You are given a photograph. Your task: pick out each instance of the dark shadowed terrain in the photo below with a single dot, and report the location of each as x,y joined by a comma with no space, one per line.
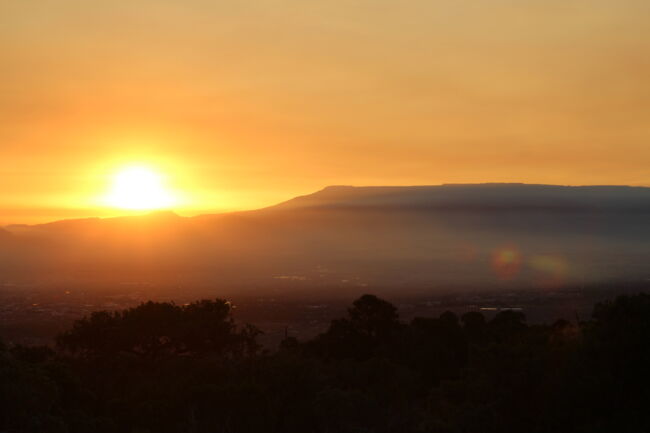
197,367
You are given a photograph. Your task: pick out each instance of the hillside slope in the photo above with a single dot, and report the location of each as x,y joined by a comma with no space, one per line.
428,237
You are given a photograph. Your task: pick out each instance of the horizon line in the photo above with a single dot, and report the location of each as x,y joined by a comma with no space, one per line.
207,212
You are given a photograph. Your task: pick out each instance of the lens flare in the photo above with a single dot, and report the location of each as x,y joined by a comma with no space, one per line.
506,261
551,270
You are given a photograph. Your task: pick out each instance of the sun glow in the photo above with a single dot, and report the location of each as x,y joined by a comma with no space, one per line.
139,188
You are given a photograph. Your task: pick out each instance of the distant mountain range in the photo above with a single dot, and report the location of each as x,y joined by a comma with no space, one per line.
408,238
501,196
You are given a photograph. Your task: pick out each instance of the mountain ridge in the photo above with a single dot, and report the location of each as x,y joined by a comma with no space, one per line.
469,196
484,195
418,236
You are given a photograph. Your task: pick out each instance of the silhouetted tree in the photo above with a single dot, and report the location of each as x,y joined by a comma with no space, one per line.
508,322
161,328
474,325
165,368
373,316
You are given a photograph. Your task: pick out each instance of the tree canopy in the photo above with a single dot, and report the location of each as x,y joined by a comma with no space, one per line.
161,328
168,368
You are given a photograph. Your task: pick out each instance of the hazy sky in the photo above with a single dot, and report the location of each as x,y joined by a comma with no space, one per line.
242,104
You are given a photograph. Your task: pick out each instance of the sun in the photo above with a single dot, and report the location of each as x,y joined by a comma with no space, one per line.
139,188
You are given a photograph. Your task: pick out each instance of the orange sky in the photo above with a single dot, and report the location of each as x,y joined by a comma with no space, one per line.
246,103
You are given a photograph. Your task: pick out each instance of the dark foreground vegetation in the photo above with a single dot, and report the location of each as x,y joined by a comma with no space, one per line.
162,368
